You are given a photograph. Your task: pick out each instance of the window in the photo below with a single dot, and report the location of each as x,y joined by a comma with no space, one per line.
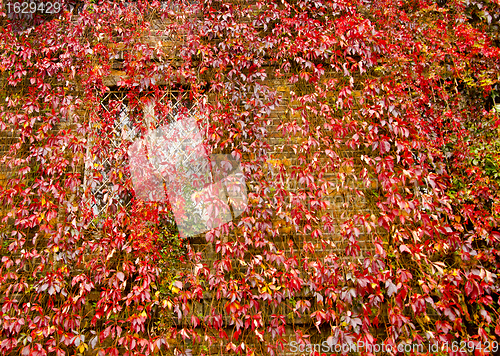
121,119
157,142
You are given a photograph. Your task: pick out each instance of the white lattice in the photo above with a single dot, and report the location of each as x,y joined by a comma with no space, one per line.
105,164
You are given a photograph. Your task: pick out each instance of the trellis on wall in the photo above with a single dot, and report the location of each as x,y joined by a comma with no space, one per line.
121,118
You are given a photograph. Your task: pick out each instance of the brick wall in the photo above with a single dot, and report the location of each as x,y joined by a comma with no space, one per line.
344,203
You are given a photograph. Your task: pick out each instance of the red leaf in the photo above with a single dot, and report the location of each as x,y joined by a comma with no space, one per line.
195,320
404,248
237,334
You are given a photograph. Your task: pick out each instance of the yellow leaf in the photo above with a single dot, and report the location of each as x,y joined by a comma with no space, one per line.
174,289
83,346
143,313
